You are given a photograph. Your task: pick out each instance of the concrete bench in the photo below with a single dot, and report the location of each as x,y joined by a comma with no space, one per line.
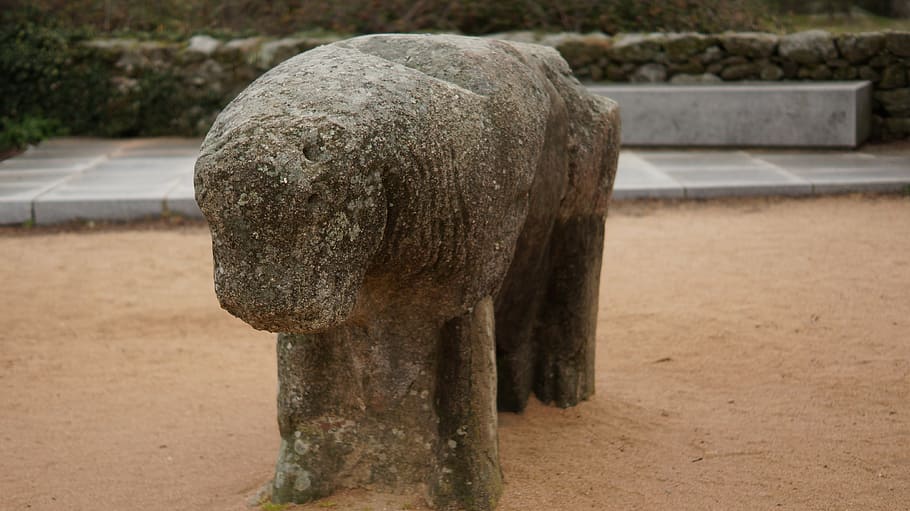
782,114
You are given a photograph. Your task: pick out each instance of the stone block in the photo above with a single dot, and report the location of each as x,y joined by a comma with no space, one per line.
883,60
558,39
898,43
749,44
711,55
584,50
203,45
274,52
682,47
687,79
810,47
858,48
832,114
690,67
845,73
896,102
649,73
817,72
735,60
637,47
616,73
790,68
740,72
893,77
870,74
770,72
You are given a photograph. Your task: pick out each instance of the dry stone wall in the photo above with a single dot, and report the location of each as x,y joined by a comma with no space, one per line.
205,73
178,88
883,58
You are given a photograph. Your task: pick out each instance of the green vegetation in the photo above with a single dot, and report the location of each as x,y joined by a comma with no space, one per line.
179,19
48,87
16,134
840,16
269,506
54,83
856,21
186,17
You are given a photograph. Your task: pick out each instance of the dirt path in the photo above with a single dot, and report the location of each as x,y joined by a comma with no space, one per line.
753,355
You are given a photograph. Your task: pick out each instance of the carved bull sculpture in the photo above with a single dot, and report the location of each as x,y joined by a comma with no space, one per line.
419,216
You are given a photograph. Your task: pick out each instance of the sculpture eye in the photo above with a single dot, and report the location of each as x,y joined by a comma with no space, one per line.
312,152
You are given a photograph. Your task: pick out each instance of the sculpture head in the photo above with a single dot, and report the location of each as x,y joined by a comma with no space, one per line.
296,214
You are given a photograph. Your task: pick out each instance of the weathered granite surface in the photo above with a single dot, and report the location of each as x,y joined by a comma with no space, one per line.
415,214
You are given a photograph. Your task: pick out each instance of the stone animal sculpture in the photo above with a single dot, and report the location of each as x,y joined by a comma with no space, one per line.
418,216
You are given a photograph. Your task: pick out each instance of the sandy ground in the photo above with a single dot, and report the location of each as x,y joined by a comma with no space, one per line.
752,355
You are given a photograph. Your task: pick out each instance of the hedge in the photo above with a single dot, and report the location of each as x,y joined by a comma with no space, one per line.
186,17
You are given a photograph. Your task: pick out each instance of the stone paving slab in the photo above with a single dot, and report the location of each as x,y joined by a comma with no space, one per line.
639,179
709,174
72,146
845,172
19,189
181,199
99,179
860,161
169,164
31,163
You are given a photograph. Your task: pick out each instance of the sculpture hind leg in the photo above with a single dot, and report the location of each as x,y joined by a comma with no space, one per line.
523,289
567,321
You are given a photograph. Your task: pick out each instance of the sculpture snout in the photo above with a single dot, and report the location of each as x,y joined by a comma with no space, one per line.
278,297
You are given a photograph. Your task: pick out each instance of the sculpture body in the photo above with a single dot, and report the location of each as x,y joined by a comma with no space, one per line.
421,217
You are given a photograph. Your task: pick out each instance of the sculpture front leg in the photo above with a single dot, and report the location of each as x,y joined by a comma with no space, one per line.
399,407
355,413
468,475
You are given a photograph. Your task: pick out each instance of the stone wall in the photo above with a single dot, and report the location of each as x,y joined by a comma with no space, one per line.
199,78
883,58
207,73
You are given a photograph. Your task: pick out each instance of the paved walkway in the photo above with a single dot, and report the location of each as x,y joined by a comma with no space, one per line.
99,179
